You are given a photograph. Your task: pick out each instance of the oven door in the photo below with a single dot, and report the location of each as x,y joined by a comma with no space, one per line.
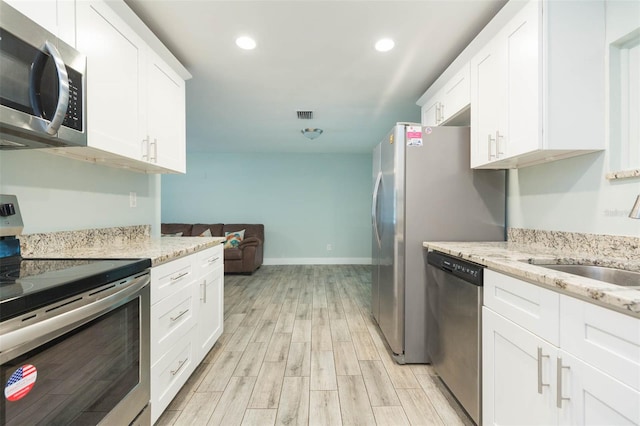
88,365
41,86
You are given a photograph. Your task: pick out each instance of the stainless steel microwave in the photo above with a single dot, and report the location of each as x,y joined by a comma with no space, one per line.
42,86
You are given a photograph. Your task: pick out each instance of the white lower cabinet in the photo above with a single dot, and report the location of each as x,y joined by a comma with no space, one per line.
170,372
591,397
591,378
187,298
210,296
516,374
210,320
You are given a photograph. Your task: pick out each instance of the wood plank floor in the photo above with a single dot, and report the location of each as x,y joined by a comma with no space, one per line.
300,347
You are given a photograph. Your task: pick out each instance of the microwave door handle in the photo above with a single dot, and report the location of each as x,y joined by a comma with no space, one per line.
63,89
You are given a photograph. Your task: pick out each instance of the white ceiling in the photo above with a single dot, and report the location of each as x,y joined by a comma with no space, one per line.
311,55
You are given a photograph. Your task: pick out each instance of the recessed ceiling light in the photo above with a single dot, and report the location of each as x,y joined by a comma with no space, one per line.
246,43
384,45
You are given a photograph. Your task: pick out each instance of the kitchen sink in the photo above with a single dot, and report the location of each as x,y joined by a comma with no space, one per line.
601,273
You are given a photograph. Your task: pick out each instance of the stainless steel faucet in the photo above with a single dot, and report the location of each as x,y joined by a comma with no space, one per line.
635,210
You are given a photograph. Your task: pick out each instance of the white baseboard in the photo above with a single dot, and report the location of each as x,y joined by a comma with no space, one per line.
318,261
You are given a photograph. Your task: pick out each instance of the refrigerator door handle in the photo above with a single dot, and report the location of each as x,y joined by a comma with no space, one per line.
374,208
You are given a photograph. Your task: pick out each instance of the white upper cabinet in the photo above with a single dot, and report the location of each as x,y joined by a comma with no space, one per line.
431,110
455,94
486,97
537,88
165,144
56,16
448,102
135,99
115,61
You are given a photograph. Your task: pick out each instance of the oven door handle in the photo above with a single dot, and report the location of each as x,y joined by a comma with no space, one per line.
48,329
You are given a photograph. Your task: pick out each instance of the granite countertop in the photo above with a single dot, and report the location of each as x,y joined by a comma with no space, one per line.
159,250
521,261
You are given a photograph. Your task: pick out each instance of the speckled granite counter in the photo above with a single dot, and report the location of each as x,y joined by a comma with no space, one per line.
519,260
159,250
120,242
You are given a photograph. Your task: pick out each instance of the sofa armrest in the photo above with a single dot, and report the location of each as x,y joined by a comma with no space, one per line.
250,241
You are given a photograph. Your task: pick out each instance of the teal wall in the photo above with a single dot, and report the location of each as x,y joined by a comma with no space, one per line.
62,194
305,201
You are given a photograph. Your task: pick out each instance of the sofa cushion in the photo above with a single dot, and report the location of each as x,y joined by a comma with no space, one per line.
214,228
174,228
233,239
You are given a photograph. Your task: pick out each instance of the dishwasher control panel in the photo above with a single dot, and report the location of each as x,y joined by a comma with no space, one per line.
468,271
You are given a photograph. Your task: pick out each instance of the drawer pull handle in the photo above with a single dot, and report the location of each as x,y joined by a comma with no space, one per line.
213,259
177,277
559,397
180,365
177,317
540,384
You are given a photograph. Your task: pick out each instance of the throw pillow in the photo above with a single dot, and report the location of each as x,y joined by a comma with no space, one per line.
233,239
177,234
206,233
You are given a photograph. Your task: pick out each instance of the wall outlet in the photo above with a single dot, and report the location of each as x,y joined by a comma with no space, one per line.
133,199
329,247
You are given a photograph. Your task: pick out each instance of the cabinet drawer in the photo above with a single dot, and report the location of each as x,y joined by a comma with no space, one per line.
532,307
170,373
171,277
608,340
209,259
171,318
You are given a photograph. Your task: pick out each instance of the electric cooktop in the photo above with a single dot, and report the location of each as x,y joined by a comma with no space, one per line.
28,284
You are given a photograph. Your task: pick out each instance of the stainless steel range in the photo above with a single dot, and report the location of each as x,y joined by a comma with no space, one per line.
74,336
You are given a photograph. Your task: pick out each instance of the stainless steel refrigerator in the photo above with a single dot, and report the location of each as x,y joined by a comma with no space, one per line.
424,190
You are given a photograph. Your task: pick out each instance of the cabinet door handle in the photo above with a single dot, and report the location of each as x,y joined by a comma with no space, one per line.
203,291
441,113
490,141
540,384
180,365
213,259
499,151
177,317
145,149
559,397
155,151
177,277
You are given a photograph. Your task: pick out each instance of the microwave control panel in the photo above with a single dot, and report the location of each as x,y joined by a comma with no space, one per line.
73,118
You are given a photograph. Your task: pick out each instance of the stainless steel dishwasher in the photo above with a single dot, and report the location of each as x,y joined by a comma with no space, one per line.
454,300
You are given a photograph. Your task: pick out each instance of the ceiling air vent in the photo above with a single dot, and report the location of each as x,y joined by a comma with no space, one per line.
305,115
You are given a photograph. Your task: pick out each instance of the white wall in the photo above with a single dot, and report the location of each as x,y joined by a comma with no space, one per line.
60,194
305,201
572,195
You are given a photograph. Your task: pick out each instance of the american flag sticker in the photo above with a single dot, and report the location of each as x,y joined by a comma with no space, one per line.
21,382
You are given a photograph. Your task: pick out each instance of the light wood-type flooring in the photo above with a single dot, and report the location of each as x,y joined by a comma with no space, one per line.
300,347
